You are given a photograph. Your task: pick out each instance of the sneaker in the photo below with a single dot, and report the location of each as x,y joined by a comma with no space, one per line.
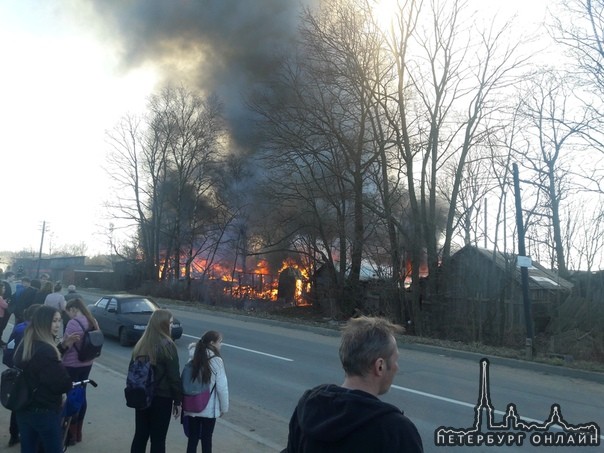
13,441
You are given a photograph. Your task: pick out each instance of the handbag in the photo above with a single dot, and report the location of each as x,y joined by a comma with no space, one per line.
74,401
198,402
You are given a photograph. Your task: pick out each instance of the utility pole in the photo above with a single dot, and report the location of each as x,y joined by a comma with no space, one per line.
524,263
40,252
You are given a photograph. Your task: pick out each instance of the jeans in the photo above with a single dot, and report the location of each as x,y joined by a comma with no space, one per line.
40,427
152,423
203,426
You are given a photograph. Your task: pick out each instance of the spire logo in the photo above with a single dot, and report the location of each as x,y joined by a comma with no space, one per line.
513,430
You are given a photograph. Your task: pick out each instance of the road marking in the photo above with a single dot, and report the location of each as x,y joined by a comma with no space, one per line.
436,397
247,350
463,403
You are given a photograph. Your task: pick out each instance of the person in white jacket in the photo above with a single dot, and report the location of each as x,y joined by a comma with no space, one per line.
209,367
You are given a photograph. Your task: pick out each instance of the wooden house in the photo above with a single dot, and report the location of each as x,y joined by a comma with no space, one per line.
481,297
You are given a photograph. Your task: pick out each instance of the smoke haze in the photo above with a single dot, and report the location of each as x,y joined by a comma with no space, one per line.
219,46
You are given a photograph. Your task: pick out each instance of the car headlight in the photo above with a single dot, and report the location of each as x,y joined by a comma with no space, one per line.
139,326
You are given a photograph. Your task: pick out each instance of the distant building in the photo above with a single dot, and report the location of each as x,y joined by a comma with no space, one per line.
57,267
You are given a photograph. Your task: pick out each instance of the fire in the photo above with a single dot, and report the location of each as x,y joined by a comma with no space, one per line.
290,283
262,284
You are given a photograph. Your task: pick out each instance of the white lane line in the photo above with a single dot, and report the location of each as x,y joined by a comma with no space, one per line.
247,350
436,397
258,352
463,403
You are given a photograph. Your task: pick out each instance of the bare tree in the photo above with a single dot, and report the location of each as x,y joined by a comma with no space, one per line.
161,165
583,36
322,134
189,127
136,164
449,74
553,125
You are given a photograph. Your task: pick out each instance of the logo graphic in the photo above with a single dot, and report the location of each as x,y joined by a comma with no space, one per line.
513,430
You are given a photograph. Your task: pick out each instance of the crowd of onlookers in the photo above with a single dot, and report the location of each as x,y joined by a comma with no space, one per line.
47,326
17,295
46,341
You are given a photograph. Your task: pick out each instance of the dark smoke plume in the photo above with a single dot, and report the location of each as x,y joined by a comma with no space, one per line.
225,47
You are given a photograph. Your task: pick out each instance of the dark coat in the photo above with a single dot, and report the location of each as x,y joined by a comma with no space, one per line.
46,374
23,301
333,419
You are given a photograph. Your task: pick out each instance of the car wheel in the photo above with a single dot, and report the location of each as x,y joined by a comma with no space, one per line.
124,337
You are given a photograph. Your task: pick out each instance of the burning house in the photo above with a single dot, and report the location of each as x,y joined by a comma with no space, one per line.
289,283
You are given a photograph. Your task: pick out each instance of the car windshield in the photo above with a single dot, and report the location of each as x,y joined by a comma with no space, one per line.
137,306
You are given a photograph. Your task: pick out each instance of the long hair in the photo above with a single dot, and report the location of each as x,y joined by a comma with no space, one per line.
39,329
156,337
201,361
79,304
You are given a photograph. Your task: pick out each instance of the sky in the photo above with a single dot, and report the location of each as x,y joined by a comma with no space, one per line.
61,89
71,71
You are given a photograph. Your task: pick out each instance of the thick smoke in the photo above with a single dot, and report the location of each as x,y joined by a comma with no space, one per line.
225,47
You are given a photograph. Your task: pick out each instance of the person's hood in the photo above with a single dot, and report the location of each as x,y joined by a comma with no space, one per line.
329,413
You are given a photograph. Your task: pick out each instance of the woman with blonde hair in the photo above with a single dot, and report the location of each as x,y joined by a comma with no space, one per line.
207,367
81,320
40,421
157,345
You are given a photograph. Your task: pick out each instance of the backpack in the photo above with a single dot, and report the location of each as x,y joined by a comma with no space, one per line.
15,393
140,383
196,394
92,343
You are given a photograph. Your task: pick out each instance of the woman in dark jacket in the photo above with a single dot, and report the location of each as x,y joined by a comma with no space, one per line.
152,423
40,421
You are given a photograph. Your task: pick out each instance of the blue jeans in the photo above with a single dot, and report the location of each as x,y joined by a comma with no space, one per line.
40,427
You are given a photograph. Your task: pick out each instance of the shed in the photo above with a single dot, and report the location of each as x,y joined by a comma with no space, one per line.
483,295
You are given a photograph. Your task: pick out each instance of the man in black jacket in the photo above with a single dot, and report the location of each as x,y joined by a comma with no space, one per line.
25,298
351,418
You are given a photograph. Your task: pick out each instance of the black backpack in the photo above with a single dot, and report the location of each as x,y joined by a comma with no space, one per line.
92,343
15,393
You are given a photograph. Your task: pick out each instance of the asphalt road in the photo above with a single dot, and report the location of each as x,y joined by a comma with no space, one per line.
269,364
